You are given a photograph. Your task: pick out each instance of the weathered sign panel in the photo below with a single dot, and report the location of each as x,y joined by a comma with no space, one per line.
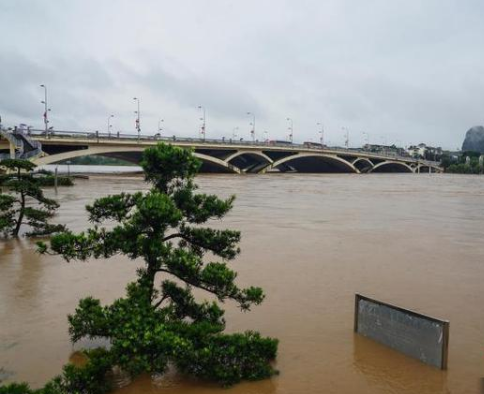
411,333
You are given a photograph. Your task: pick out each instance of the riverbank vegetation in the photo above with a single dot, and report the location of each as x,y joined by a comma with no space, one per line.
97,160
47,178
465,163
160,323
24,202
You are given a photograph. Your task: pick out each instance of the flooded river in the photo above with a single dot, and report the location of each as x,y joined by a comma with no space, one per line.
312,242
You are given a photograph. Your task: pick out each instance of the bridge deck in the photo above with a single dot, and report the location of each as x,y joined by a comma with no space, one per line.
226,154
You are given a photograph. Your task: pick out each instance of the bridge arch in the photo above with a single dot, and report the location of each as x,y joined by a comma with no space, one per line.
216,162
391,166
55,158
212,162
363,164
249,161
253,153
332,163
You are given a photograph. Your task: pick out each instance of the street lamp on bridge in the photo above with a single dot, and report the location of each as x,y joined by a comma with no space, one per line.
138,115
234,132
367,137
160,129
291,129
321,133
109,124
46,110
203,119
347,136
252,132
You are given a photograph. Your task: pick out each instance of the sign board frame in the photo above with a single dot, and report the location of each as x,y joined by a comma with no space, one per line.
407,312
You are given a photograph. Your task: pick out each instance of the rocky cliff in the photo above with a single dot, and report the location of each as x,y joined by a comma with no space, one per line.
474,139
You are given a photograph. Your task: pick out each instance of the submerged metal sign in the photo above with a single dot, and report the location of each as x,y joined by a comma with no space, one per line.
411,333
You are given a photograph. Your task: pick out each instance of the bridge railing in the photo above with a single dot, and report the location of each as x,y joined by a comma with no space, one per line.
97,136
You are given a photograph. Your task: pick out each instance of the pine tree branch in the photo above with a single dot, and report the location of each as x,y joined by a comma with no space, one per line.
175,235
222,249
188,281
160,302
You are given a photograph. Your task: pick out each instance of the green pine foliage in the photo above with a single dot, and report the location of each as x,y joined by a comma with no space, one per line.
24,202
160,322
88,379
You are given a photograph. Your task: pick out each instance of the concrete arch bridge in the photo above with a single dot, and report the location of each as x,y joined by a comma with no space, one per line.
226,156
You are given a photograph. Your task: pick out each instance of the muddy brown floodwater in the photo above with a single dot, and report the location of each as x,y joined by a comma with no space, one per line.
312,242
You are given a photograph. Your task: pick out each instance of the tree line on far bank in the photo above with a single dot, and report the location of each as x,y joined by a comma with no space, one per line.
97,160
466,163
159,323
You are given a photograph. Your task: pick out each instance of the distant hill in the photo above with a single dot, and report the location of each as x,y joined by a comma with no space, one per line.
474,140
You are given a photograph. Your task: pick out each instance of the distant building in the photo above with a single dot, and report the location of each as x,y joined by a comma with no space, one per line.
385,149
422,151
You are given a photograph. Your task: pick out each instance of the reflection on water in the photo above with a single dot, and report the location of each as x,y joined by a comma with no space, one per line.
312,242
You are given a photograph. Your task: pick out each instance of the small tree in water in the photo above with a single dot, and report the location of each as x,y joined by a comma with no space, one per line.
25,202
160,322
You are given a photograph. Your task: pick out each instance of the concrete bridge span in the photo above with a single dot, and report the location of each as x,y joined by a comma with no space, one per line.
392,166
225,156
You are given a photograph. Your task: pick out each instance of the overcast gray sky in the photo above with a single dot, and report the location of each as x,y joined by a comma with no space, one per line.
404,71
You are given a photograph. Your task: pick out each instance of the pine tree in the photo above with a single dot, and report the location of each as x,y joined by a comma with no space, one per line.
24,203
160,322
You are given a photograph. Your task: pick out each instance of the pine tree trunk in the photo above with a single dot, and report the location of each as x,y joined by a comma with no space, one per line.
20,216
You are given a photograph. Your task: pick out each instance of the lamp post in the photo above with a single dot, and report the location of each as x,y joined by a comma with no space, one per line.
321,132
234,132
110,125
266,135
347,136
138,115
46,110
160,129
252,132
203,119
291,129
367,138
